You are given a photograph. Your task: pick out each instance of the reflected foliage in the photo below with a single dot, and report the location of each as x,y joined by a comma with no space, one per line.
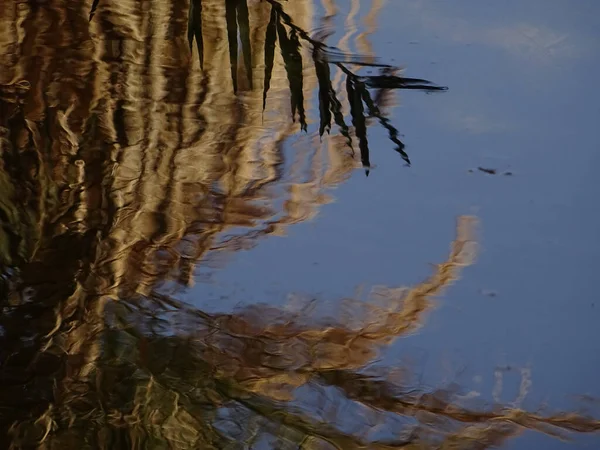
290,51
356,85
93,10
195,28
127,168
156,373
282,30
236,14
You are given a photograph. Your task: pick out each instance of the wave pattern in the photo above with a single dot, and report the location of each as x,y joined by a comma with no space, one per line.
137,141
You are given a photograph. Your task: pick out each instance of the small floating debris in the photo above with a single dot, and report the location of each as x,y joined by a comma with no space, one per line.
491,171
488,293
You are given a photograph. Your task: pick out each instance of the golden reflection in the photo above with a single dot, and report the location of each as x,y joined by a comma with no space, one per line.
139,140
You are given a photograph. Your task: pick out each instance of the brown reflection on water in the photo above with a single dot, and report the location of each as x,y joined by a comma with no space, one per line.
125,161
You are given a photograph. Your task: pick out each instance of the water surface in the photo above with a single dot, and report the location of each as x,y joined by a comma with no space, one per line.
193,256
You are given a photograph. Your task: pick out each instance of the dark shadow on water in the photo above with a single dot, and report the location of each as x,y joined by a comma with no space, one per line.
126,170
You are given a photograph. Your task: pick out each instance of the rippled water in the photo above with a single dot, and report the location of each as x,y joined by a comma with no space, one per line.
192,257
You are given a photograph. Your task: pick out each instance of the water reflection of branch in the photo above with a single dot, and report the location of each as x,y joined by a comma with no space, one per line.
356,87
290,51
236,13
93,9
385,123
195,28
167,373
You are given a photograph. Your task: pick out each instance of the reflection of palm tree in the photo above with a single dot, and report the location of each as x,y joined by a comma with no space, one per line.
128,104
282,29
231,378
122,166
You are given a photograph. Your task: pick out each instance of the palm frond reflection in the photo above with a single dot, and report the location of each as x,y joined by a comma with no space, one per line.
282,30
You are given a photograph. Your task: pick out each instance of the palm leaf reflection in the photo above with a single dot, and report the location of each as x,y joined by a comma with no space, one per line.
195,28
282,30
270,40
93,9
290,51
238,22
356,86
